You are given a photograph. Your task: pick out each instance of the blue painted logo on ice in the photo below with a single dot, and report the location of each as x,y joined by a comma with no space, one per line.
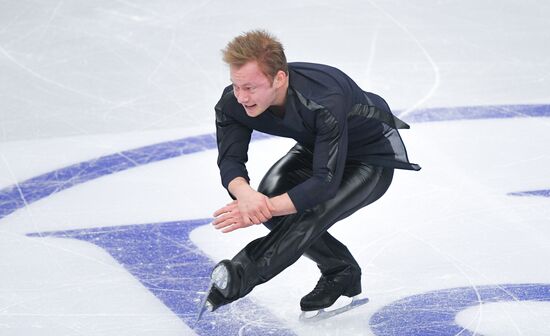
166,262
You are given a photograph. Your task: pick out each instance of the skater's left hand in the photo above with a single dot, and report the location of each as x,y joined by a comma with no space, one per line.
229,218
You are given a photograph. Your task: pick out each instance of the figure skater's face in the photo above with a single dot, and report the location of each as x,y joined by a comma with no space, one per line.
254,90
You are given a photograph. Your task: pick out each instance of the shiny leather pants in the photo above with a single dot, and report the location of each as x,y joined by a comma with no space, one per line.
305,233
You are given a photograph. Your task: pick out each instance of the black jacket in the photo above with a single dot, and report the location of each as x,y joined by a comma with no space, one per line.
326,111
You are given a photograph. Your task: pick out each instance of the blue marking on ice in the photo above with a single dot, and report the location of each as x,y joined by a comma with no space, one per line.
542,193
29,191
478,112
168,264
433,313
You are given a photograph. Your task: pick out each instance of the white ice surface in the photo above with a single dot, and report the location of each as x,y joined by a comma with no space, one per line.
80,80
80,67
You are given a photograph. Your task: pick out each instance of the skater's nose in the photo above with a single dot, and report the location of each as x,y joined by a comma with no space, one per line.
242,95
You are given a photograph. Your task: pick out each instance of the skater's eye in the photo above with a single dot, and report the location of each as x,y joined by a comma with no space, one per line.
247,89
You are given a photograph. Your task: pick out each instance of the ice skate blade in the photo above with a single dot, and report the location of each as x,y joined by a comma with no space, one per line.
204,305
322,314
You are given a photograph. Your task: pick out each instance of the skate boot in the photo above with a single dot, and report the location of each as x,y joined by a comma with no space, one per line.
330,287
222,286
222,277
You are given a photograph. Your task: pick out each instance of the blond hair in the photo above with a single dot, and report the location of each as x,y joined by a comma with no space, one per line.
259,46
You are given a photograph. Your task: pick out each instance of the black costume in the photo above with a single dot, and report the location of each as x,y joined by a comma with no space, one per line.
347,148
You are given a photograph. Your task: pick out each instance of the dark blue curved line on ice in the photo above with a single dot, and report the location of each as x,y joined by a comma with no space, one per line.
169,265
29,191
478,112
143,258
541,193
433,313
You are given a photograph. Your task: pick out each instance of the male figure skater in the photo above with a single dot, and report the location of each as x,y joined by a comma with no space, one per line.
347,149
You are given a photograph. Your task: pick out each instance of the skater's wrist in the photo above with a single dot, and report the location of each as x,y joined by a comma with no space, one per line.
282,205
239,187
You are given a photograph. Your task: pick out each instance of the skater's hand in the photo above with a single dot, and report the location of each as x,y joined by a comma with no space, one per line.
255,207
229,218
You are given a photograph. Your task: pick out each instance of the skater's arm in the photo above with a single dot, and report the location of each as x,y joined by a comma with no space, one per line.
232,139
277,206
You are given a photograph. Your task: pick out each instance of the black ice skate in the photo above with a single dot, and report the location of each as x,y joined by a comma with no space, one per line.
318,303
221,282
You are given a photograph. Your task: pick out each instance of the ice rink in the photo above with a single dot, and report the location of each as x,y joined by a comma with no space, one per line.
108,175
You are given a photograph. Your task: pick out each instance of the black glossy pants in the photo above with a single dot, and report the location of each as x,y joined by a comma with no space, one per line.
305,233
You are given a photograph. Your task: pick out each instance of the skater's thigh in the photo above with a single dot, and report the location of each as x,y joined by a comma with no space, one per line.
362,184
289,171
